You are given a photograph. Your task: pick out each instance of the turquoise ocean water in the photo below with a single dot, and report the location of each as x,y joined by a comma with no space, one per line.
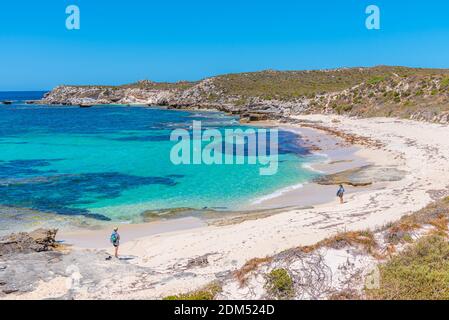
113,162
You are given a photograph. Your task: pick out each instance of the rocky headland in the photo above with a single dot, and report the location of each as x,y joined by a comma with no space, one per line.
418,94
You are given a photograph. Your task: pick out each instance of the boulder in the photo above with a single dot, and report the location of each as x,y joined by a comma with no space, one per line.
201,261
253,116
258,116
362,176
198,262
244,120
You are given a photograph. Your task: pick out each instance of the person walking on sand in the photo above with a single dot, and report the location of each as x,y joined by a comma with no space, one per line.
115,240
340,193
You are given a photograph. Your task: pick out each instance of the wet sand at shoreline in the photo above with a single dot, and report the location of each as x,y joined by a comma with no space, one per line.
98,239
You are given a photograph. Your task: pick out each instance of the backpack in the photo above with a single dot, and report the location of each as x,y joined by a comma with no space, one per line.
340,192
114,237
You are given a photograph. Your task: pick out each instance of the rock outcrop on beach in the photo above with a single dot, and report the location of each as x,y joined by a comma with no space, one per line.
419,94
30,260
36,241
363,176
23,259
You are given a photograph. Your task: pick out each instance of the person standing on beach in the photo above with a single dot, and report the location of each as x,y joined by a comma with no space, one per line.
340,193
115,240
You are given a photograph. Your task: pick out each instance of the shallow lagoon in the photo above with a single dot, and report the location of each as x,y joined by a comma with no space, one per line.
113,162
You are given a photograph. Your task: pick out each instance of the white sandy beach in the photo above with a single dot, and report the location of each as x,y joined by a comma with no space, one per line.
420,149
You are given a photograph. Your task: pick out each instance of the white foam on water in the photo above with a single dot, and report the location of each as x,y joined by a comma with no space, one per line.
278,193
309,166
322,155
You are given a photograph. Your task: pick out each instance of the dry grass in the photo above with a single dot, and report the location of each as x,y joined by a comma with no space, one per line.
242,274
435,214
348,137
401,231
405,225
345,295
440,223
435,210
364,239
390,250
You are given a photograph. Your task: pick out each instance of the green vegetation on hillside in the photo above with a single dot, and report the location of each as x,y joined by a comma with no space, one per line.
209,292
180,85
294,84
419,273
445,82
145,84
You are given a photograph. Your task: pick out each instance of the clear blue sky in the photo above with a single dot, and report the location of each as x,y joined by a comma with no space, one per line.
122,41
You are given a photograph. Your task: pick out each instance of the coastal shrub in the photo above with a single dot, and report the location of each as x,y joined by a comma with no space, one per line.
289,84
240,102
408,103
341,108
279,284
445,82
420,272
206,293
375,80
